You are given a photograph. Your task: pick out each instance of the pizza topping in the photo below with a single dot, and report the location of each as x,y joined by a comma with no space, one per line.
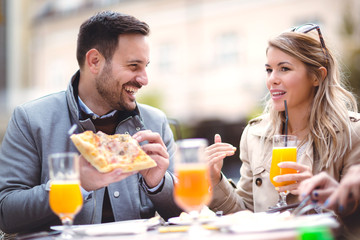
107,152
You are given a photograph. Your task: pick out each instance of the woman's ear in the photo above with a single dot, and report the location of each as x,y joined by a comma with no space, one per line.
323,72
94,60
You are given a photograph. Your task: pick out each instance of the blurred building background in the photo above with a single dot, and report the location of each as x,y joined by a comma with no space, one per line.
207,56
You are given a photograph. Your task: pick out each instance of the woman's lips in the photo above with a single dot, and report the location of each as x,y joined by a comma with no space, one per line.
277,94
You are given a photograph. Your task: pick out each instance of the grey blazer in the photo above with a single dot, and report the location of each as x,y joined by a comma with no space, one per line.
39,128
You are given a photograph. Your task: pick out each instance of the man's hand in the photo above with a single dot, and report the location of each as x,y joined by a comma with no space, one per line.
91,179
157,150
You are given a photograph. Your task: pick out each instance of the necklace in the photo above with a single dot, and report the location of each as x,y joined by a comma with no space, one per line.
299,131
301,134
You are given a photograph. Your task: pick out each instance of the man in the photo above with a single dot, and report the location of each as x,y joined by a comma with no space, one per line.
113,53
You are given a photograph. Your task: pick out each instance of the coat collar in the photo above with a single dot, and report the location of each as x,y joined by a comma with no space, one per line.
261,125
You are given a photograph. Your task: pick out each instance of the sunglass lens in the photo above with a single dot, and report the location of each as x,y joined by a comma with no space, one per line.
305,28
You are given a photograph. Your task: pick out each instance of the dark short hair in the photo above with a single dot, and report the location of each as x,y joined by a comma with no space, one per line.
102,30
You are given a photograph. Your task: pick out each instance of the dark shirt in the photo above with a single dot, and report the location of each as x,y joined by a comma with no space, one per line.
106,124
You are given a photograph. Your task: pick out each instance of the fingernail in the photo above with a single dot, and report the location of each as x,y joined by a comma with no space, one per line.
138,138
277,188
341,208
275,179
316,194
234,149
326,203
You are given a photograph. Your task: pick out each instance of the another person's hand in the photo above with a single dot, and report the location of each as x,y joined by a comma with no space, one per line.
157,150
345,198
91,179
320,186
215,154
341,197
303,173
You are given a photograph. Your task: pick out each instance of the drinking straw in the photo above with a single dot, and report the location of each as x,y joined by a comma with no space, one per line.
286,122
70,132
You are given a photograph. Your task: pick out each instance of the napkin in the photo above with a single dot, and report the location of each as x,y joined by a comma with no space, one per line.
115,228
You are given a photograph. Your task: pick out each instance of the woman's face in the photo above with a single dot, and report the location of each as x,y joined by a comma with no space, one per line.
288,79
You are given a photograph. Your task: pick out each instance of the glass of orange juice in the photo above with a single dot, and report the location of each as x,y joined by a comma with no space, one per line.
284,150
65,196
192,186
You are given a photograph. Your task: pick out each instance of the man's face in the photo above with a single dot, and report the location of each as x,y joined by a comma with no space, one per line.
125,74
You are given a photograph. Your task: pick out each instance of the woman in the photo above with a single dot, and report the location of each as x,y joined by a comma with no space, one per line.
321,113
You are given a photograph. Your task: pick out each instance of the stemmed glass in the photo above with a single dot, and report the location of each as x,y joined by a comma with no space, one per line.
284,150
65,195
192,187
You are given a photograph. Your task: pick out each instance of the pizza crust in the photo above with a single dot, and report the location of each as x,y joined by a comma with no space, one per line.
109,152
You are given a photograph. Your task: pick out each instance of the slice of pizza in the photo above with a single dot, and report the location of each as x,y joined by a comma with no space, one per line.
107,152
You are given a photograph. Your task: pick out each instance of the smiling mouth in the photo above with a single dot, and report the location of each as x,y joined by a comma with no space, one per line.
131,90
277,94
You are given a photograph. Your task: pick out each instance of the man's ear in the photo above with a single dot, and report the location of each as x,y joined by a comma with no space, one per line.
323,72
94,60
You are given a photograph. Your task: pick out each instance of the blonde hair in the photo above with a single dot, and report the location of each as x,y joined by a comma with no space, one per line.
330,108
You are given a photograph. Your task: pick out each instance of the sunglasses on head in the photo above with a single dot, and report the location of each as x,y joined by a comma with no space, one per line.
308,28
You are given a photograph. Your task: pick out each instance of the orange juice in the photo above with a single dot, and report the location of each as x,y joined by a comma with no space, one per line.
192,189
65,198
282,154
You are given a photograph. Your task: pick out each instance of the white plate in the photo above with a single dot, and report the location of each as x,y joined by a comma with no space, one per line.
114,228
245,222
188,221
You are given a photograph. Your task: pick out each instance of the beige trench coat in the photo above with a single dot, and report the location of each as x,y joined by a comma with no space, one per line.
254,190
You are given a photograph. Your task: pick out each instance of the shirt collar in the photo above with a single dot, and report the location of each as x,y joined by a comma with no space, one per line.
88,111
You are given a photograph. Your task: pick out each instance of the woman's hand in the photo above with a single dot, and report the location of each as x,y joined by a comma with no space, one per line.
215,155
303,173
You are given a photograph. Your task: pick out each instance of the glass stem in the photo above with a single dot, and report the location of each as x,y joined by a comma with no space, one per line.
67,232
282,200
196,231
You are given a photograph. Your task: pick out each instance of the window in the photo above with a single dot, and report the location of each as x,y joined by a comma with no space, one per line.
166,57
226,48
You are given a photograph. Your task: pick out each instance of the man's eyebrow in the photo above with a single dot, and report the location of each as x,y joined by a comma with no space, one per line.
135,61
138,61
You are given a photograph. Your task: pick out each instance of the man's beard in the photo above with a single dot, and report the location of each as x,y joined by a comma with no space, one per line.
106,86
